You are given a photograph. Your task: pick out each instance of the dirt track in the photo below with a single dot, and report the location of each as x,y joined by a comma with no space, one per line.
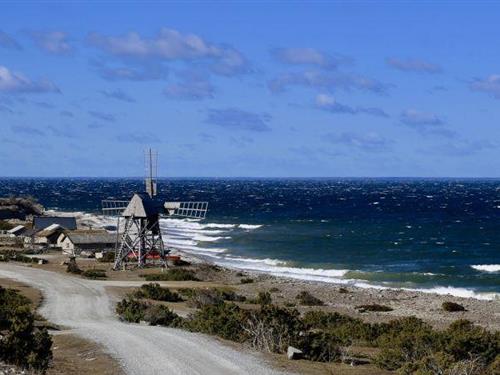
84,306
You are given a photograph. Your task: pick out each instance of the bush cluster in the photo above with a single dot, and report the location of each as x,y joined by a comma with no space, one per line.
307,299
157,293
15,256
72,267
452,307
94,274
407,345
175,274
412,346
374,308
135,311
21,343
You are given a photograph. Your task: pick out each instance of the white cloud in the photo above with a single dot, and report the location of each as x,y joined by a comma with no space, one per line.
172,45
414,117
54,42
414,65
326,81
328,103
17,83
306,56
489,85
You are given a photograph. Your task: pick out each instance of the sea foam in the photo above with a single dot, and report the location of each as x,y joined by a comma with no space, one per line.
487,267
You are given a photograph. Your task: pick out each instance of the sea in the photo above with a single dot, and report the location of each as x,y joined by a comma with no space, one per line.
433,235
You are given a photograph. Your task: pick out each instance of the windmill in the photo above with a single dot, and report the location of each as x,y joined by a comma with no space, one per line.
141,240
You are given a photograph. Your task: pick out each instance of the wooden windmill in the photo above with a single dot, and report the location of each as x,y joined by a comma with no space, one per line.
141,241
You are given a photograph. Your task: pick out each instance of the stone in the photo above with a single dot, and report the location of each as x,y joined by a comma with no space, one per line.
294,353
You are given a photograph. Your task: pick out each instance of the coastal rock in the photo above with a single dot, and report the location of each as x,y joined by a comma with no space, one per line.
294,353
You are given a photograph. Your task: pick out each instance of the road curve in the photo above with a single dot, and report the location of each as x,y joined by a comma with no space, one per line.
84,306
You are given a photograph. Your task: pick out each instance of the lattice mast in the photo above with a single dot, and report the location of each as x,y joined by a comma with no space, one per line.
141,240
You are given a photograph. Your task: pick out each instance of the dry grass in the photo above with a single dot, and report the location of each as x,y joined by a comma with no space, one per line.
75,356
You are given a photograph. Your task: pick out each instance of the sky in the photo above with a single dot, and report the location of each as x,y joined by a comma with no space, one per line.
250,89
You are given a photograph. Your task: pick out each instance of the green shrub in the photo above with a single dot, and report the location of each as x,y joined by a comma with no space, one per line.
230,295
223,320
343,291
345,328
320,346
175,274
203,297
452,307
21,343
273,329
247,280
274,290
464,340
131,310
374,308
159,315
157,293
307,299
94,274
264,298
73,268
405,340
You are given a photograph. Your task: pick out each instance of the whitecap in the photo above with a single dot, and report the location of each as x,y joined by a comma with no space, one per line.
487,267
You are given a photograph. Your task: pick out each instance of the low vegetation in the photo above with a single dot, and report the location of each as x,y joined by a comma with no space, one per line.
157,293
247,280
5,225
405,345
307,299
452,307
175,274
73,268
21,343
373,308
95,274
16,256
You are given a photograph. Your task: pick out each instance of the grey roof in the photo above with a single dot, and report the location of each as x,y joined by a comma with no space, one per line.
141,205
91,238
42,222
17,230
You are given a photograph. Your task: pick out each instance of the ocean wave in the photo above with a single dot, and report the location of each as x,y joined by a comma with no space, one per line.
487,267
458,292
249,226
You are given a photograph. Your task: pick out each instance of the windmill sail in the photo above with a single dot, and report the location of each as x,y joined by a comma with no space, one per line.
112,207
194,210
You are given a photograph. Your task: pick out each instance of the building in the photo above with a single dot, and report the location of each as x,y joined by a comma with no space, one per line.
48,236
42,222
74,242
17,230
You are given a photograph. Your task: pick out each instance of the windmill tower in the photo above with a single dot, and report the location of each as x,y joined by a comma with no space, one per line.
141,241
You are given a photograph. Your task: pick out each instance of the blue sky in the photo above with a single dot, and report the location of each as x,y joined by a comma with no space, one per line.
298,89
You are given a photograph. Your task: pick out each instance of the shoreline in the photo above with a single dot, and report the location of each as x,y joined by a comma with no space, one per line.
423,305
271,267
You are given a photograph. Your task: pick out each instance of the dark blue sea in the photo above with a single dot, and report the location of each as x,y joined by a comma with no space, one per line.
440,235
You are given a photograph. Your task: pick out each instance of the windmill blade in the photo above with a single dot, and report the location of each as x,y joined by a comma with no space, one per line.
112,207
194,210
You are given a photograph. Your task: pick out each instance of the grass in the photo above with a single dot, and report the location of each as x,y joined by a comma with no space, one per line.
307,299
175,274
95,274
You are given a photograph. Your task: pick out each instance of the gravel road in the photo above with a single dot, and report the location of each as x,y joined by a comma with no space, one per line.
85,307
